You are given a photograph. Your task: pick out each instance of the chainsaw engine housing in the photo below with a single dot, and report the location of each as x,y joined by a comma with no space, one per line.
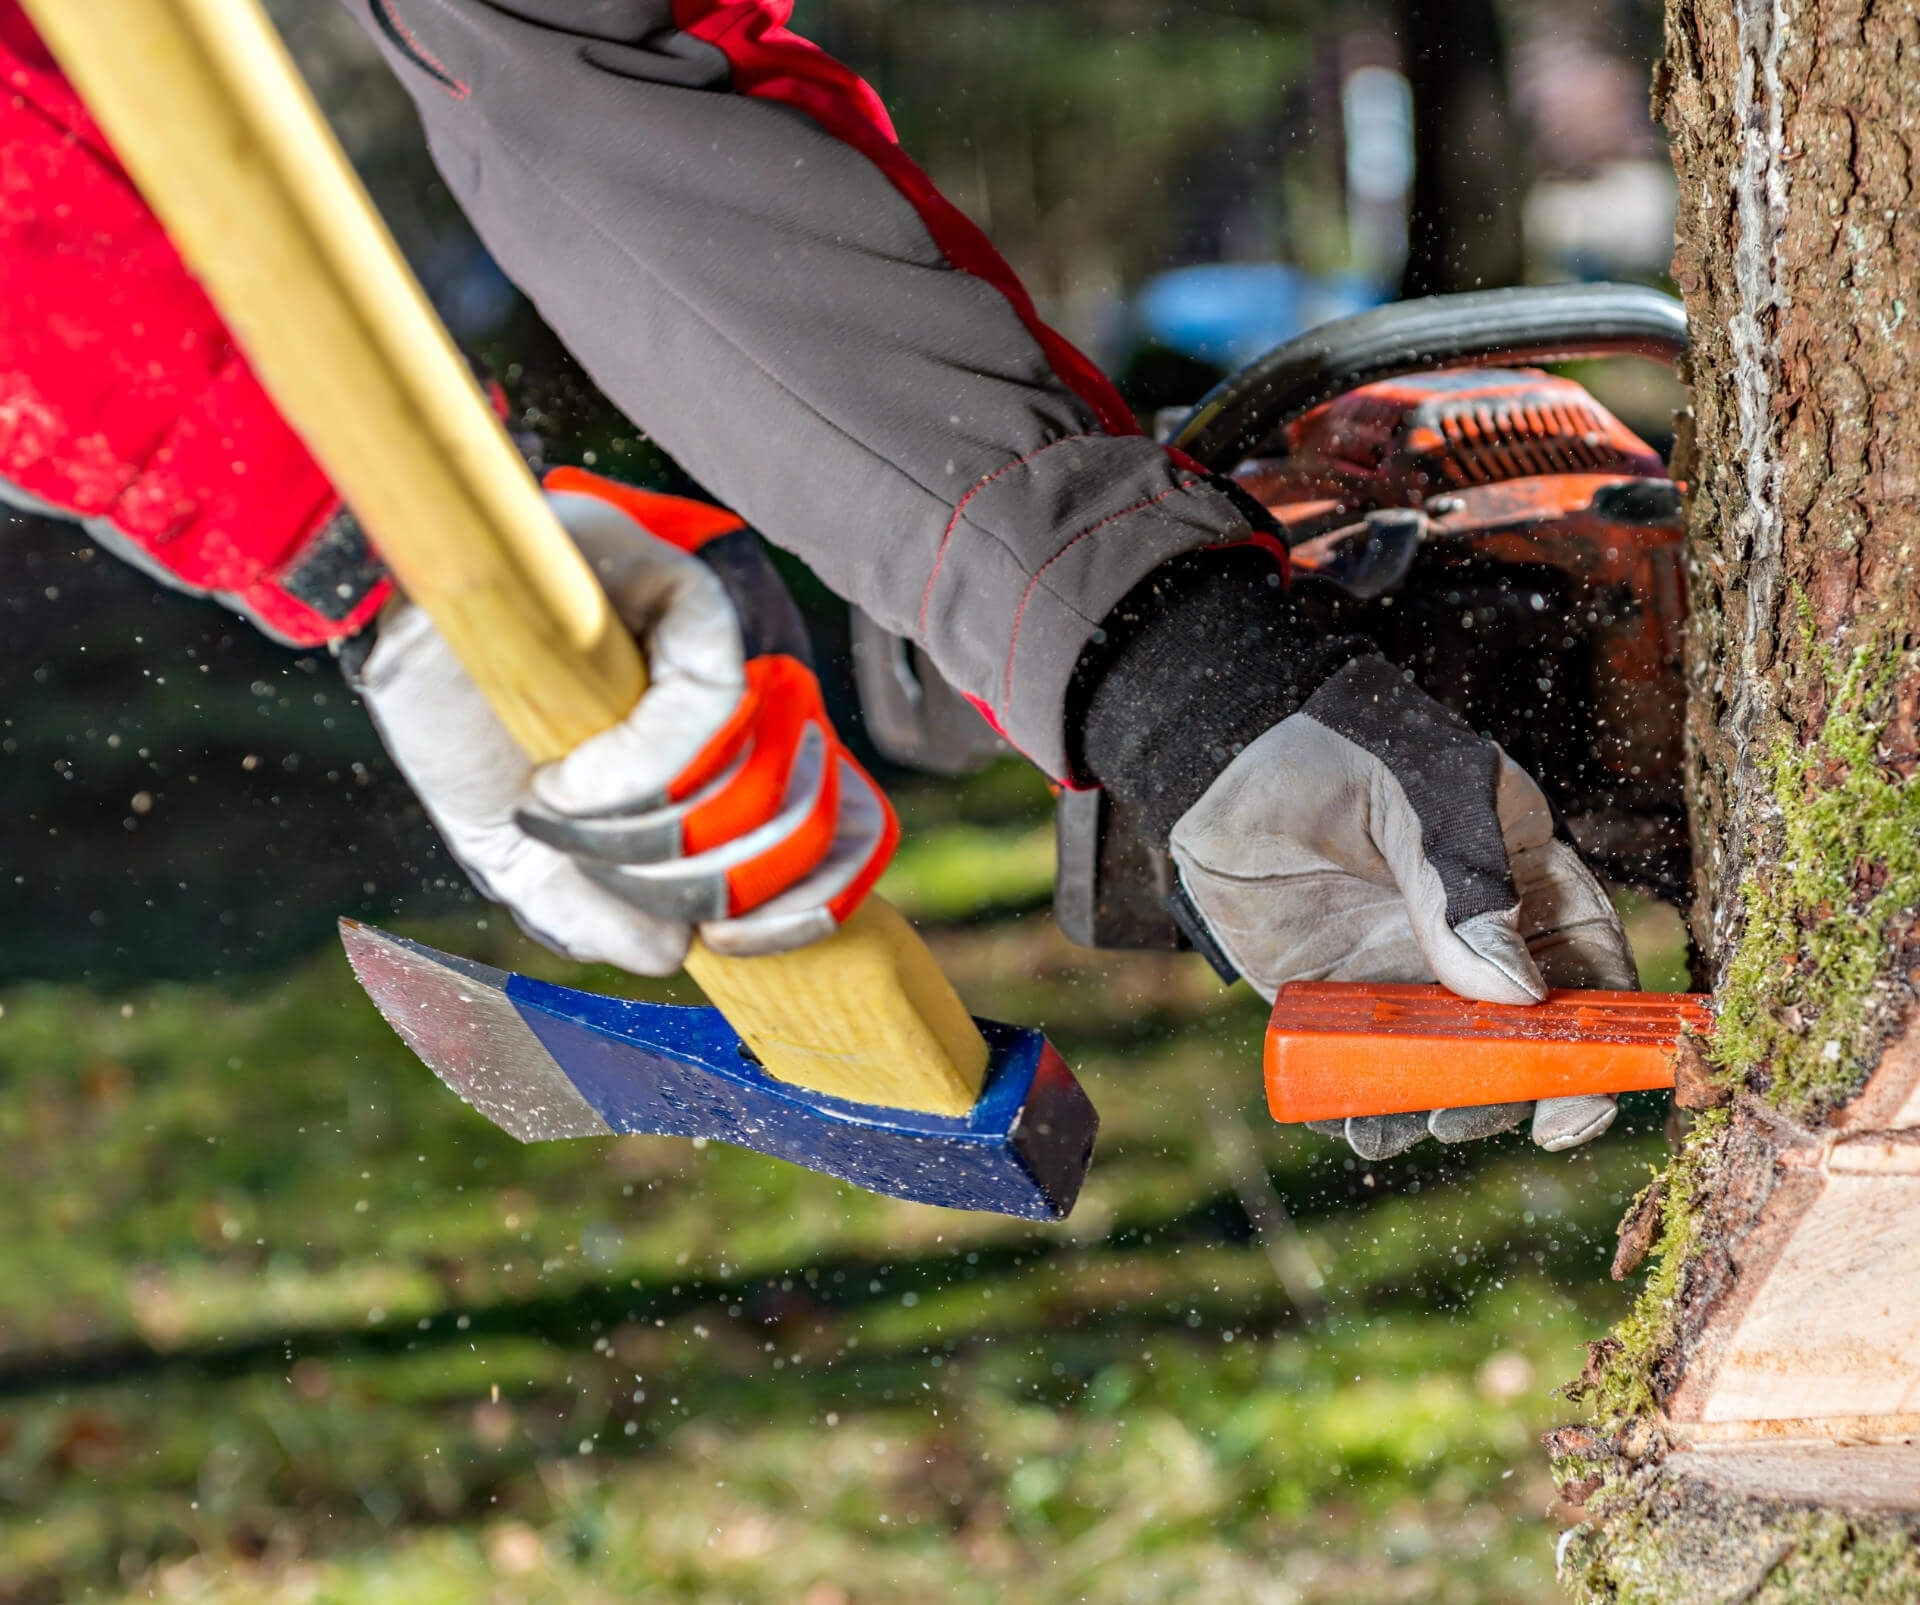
1505,538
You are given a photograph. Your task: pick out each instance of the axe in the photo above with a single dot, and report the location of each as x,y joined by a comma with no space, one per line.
854,1056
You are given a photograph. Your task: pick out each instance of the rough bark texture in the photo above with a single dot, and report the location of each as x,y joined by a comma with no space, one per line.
1796,141
1796,134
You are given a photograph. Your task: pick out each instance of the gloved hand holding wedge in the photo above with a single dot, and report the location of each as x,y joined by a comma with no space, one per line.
1331,822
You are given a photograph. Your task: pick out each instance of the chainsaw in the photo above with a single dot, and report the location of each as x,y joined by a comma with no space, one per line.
1493,530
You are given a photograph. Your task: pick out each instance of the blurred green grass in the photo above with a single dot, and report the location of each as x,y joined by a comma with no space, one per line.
283,1321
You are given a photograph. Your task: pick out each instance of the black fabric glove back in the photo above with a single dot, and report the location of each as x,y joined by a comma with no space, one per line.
1202,657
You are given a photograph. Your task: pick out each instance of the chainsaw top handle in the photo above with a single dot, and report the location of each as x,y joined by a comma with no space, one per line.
1548,323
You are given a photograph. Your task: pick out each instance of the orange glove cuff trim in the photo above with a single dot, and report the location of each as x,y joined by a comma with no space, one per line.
785,699
678,520
794,856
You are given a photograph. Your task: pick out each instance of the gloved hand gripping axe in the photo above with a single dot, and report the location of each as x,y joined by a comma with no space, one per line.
852,1056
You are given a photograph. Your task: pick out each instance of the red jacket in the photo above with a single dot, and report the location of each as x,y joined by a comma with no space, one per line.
123,399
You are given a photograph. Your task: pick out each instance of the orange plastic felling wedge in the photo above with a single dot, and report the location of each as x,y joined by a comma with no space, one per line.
1343,1048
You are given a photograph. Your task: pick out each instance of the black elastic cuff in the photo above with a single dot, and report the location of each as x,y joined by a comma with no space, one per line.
770,619
1203,656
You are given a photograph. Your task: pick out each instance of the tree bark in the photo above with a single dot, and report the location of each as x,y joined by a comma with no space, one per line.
1794,139
1754,1423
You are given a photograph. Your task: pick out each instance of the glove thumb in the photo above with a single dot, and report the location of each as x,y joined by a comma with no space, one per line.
1482,957
1495,966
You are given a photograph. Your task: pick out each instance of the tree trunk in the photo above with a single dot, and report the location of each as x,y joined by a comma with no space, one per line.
1463,216
1756,1422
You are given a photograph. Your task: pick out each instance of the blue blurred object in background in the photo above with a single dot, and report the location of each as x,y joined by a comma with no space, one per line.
1228,313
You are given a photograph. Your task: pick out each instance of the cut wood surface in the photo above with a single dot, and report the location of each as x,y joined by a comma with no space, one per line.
1819,1337
1878,1477
206,110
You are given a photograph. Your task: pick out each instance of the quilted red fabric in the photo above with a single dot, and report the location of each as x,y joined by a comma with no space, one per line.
123,399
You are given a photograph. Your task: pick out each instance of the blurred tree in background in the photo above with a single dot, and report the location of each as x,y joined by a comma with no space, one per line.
1097,141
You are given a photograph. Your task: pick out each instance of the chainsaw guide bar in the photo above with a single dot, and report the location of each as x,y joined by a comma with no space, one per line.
1336,1049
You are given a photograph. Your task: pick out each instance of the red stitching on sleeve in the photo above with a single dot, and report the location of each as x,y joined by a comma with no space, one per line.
959,507
1013,646
423,58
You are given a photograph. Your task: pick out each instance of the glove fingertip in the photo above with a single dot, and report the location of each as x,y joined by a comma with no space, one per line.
652,958
1382,1136
1473,1123
1562,1123
757,936
1492,939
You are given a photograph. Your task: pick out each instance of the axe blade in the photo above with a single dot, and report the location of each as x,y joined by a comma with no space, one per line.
544,1062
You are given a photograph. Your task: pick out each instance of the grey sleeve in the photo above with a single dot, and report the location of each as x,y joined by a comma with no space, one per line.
780,299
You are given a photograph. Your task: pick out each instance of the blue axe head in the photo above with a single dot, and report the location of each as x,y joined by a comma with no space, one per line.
544,1062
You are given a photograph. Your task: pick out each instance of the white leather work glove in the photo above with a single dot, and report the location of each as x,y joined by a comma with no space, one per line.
1330,821
724,801
1372,836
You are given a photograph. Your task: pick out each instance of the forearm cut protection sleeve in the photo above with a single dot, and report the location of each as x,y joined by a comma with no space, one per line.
124,402
717,219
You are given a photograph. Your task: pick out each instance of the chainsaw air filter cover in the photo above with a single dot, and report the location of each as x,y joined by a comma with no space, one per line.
1400,441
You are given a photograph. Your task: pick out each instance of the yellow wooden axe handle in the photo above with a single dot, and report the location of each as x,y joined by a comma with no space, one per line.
210,116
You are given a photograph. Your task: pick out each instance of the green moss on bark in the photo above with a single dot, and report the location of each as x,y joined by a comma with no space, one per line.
1619,1385
1835,1559
1805,1002
1661,1541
